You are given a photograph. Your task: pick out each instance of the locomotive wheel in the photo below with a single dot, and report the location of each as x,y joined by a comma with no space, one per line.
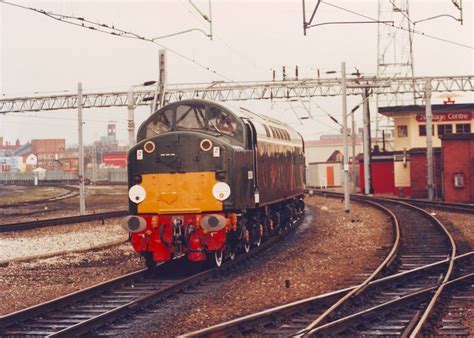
218,258
247,247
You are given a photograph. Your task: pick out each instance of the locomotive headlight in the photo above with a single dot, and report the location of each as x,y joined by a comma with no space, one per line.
213,222
221,191
137,194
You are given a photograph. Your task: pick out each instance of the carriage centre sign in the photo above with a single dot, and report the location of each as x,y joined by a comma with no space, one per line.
441,117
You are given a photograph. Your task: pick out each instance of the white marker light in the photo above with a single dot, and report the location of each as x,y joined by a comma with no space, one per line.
221,191
137,194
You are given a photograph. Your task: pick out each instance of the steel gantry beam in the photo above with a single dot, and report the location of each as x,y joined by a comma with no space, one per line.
241,91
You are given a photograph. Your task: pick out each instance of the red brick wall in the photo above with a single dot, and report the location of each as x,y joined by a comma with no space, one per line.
458,158
418,174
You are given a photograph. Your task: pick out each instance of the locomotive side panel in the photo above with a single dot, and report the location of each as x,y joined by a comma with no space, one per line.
280,169
244,178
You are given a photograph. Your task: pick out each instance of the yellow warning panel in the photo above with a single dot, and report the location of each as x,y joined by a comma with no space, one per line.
179,193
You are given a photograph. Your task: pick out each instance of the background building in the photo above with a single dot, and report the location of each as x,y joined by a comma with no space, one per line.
452,125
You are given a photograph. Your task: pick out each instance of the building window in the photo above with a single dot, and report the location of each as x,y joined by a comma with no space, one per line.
445,129
402,131
422,130
463,128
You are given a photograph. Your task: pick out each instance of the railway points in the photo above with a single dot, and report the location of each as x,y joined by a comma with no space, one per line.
364,316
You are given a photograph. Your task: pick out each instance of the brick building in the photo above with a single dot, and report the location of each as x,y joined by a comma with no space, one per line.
418,166
452,124
458,171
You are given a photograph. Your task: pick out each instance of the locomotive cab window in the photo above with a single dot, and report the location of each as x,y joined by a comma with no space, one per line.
222,122
160,124
191,116
194,116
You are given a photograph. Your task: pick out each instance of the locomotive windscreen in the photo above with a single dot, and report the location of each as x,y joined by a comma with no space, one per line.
193,116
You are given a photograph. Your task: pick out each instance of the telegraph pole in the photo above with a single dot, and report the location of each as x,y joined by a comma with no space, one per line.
344,137
429,138
82,204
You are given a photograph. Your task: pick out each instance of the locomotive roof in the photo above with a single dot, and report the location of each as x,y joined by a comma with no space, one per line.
260,121
268,129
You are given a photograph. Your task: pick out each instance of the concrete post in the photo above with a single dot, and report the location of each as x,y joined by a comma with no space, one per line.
367,168
429,139
82,204
344,138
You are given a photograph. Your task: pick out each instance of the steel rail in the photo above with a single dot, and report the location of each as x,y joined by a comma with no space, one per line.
448,206
71,298
254,319
456,207
448,261
391,303
428,310
417,330
72,192
385,263
61,221
95,321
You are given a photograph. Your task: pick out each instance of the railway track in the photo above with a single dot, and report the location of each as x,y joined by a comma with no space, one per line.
61,221
86,310
398,304
70,192
425,204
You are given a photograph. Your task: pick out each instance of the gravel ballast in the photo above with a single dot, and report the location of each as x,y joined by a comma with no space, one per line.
57,239
329,252
318,258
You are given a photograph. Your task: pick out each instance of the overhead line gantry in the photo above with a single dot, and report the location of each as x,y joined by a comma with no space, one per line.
241,91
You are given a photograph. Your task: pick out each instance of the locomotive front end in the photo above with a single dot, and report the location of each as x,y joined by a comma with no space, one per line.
182,188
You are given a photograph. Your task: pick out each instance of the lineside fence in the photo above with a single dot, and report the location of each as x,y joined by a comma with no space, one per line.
92,176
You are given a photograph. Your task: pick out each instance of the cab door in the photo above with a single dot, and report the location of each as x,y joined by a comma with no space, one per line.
251,144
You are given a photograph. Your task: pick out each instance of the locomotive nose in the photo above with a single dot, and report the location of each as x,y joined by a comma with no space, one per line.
133,224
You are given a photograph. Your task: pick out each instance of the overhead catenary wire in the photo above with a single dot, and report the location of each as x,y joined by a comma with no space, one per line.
220,38
398,27
111,30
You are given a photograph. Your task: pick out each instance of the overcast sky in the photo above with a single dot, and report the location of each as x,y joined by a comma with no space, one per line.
42,55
